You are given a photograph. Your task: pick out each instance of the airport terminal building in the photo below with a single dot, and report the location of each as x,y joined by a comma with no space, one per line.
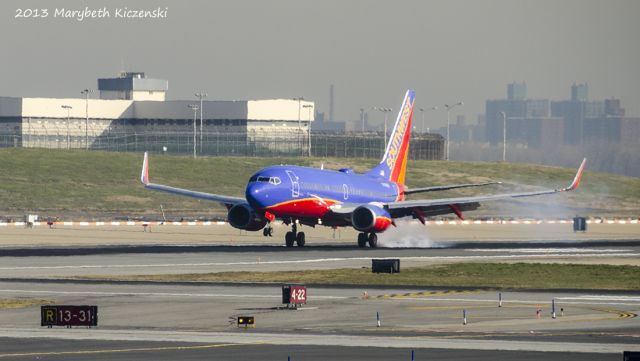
131,113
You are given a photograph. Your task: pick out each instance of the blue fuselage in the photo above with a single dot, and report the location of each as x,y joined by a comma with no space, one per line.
307,193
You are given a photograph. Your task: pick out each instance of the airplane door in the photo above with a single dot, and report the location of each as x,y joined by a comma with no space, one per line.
295,186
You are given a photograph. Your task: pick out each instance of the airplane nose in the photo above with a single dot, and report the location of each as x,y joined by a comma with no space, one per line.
257,195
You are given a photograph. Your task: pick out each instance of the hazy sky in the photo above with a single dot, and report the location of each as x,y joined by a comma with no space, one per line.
370,50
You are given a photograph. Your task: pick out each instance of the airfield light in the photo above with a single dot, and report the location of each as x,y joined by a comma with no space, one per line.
504,136
386,112
299,99
422,110
309,106
86,119
195,112
68,108
449,107
201,95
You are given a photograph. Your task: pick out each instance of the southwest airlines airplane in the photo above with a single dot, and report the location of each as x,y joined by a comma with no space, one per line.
368,202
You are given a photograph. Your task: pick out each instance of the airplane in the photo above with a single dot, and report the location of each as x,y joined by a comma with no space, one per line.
369,202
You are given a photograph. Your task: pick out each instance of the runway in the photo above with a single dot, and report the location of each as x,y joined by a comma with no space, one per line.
195,321
107,260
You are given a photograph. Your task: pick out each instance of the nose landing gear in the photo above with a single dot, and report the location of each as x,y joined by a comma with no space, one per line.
267,231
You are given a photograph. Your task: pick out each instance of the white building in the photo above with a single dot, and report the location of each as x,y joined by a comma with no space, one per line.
132,104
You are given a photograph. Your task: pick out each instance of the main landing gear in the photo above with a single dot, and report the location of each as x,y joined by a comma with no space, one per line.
364,238
294,236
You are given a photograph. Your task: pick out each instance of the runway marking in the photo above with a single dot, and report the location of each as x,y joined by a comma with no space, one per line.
546,303
322,260
124,350
601,298
158,294
547,250
424,294
621,314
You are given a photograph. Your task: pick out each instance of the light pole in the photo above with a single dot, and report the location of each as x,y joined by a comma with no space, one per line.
422,110
504,136
68,108
86,119
449,107
195,112
201,95
386,111
309,106
299,99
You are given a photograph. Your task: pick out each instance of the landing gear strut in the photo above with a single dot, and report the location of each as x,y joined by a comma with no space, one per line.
294,237
364,238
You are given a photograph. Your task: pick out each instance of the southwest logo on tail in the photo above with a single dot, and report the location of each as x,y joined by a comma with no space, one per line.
369,202
394,162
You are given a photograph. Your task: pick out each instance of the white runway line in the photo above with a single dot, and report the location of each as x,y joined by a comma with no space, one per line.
154,294
548,250
321,260
565,301
603,298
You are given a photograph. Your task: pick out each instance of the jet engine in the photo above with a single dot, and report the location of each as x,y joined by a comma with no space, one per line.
242,216
370,218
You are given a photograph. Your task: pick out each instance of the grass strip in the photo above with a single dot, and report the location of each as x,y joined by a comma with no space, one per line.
482,275
22,302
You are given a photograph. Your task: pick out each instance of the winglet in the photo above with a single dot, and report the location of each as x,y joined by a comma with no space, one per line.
144,177
576,179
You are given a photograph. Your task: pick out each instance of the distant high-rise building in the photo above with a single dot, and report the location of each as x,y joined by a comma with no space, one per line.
579,92
515,107
575,111
517,91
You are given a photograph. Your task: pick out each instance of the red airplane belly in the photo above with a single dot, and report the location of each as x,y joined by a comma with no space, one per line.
309,207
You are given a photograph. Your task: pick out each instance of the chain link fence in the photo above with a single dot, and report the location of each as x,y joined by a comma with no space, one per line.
339,145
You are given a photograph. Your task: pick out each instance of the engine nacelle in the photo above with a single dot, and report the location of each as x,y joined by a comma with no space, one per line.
370,218
242,216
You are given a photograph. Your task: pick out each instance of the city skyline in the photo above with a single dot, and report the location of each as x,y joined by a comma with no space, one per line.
446,50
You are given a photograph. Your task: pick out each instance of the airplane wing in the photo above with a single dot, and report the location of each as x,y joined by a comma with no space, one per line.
431,207
144,178
447,187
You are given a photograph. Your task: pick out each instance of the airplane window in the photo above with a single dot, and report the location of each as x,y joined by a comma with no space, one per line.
274,180
253,179
263,179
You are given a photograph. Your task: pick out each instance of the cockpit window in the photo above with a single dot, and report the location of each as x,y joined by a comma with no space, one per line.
263,179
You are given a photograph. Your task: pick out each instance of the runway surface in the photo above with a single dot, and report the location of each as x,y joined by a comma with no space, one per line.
51,349
36,262
187,321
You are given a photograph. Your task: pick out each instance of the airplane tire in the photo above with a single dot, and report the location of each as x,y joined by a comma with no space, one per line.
373,240
270,232
362,240
289,239
265,231
300,239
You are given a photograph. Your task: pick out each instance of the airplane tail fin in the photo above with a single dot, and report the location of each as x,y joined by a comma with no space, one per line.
394,162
